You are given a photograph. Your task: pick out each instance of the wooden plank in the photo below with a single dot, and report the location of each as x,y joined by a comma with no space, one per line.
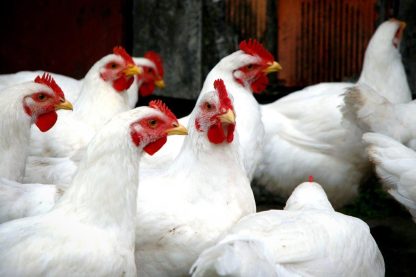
288,39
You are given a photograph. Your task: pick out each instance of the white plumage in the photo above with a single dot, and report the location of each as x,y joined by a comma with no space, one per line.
373,112
17,200
60,170
307,135
21,200
396,167
98,102
91,230
307,238
15,129
184,207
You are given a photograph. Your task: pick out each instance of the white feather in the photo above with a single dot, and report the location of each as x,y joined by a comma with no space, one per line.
22,200
396,167
308,239
373,112
184,207
91,229
306,133
15,128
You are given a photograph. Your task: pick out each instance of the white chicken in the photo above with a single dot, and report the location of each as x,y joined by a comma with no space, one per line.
245,72
307,238
153,72
185,207
103,96
396,166
22,200
306,133
373,112
54,170
21,105
91,229
151,77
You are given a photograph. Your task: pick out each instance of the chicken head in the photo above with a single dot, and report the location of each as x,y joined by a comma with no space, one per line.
254,72
151,132
42,105
216,115
119,70
152,75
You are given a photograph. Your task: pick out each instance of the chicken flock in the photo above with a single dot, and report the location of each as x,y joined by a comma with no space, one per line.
101,190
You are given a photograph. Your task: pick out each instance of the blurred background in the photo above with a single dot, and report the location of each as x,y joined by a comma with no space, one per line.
315,41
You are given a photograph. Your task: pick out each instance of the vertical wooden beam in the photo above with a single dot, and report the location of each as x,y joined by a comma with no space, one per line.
288,16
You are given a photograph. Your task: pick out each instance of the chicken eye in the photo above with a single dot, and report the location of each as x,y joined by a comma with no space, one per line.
250,66
152,123
113,65
41,97
208,106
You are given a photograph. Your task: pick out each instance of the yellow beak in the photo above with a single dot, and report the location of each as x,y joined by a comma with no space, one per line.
402,24
228,117
160,83
274,67
132,70
64,105
177,130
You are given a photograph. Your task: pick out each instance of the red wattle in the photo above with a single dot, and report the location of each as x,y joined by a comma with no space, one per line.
122,83
260,84
216,134
146,89
230,133
153,147
46,121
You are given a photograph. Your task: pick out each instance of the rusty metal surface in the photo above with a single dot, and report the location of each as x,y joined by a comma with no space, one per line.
323,40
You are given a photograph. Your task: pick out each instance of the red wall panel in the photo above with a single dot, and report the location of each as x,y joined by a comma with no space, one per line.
65,37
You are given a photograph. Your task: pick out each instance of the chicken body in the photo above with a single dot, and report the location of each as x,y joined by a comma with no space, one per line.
307,135
307,238
24,104
396,167
205,191
21,200
100,206
374,113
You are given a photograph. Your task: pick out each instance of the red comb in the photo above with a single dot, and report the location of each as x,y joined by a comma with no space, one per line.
310,178
156,59
47,80
225,101
253,47
118,50
159,105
